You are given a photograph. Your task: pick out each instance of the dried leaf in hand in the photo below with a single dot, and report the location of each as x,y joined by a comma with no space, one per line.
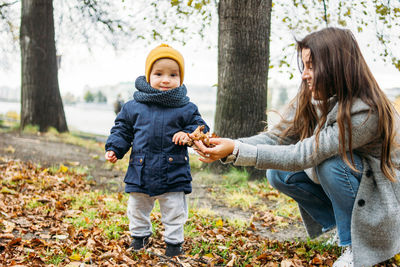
199,135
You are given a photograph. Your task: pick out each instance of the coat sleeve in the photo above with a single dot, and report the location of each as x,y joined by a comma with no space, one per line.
121,136
194,121
302,155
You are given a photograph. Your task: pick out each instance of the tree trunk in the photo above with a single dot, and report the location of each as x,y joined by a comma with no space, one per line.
243,61
41,102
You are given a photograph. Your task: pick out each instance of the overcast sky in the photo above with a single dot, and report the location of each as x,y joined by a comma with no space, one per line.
104,66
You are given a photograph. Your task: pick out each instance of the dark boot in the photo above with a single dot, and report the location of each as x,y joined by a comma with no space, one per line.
173,250
139,242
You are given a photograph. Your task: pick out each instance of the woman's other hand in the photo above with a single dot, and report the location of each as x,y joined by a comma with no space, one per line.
223,147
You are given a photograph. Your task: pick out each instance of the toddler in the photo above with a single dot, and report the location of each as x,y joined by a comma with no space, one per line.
155,125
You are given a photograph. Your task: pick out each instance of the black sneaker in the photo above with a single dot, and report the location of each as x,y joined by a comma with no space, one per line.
173,250
139,242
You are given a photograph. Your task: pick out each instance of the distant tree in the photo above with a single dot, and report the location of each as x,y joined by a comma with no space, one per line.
89,97
69,98
283,96
100,97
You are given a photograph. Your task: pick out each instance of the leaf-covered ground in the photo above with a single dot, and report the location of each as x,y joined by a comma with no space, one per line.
53,217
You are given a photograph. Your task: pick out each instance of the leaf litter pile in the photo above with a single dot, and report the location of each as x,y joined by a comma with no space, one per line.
51,217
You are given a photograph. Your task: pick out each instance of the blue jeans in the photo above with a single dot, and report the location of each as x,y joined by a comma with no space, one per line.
329,203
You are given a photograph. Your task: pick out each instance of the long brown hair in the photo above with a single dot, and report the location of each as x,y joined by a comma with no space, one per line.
340,70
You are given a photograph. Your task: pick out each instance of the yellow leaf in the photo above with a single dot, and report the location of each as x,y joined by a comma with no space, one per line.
397,259
10,149
75,257
209,255
6,190
300,251
63,168
45,171
219,223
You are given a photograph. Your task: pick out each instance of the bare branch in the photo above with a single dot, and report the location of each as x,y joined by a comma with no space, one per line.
8,4
325,13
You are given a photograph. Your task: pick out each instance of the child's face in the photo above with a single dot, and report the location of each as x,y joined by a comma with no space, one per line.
165,74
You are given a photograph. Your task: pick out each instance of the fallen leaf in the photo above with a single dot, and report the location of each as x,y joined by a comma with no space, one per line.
45,236
60,205
73,163
60,237
6,190
9,149
397,259
9,226
232,261
14,241
6,236
63,168
317,260
300,251
286,263
128,260
75,257
108,255
209,255
74,264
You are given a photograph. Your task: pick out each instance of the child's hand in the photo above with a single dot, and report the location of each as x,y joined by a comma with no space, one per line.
180,138
111,157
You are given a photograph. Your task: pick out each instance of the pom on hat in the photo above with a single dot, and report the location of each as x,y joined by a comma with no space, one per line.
164,51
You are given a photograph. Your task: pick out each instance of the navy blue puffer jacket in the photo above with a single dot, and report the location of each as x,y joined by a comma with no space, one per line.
156,164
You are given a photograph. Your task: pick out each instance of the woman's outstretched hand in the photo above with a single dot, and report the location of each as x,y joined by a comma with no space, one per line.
223,147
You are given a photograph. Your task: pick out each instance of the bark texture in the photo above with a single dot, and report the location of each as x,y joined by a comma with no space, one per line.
40,95
243,61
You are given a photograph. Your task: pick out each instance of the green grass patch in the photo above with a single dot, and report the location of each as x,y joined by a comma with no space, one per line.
234,178
195,164
56,259
233,189
114,226
31,129
32,204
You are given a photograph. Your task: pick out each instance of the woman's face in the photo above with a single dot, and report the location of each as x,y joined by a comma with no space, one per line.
308,72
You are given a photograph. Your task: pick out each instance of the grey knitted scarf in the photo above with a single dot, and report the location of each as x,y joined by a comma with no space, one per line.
171,98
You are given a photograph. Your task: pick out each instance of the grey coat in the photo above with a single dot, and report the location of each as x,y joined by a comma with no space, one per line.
375,222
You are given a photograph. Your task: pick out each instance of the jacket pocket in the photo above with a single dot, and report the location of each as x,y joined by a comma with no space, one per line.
178,168
135,170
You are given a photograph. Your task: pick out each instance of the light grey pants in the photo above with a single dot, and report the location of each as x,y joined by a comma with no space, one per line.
174,212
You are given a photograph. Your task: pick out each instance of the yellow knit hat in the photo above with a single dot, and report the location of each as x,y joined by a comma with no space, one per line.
164,51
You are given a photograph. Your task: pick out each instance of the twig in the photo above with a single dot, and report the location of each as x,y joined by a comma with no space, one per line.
201,260
165,258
